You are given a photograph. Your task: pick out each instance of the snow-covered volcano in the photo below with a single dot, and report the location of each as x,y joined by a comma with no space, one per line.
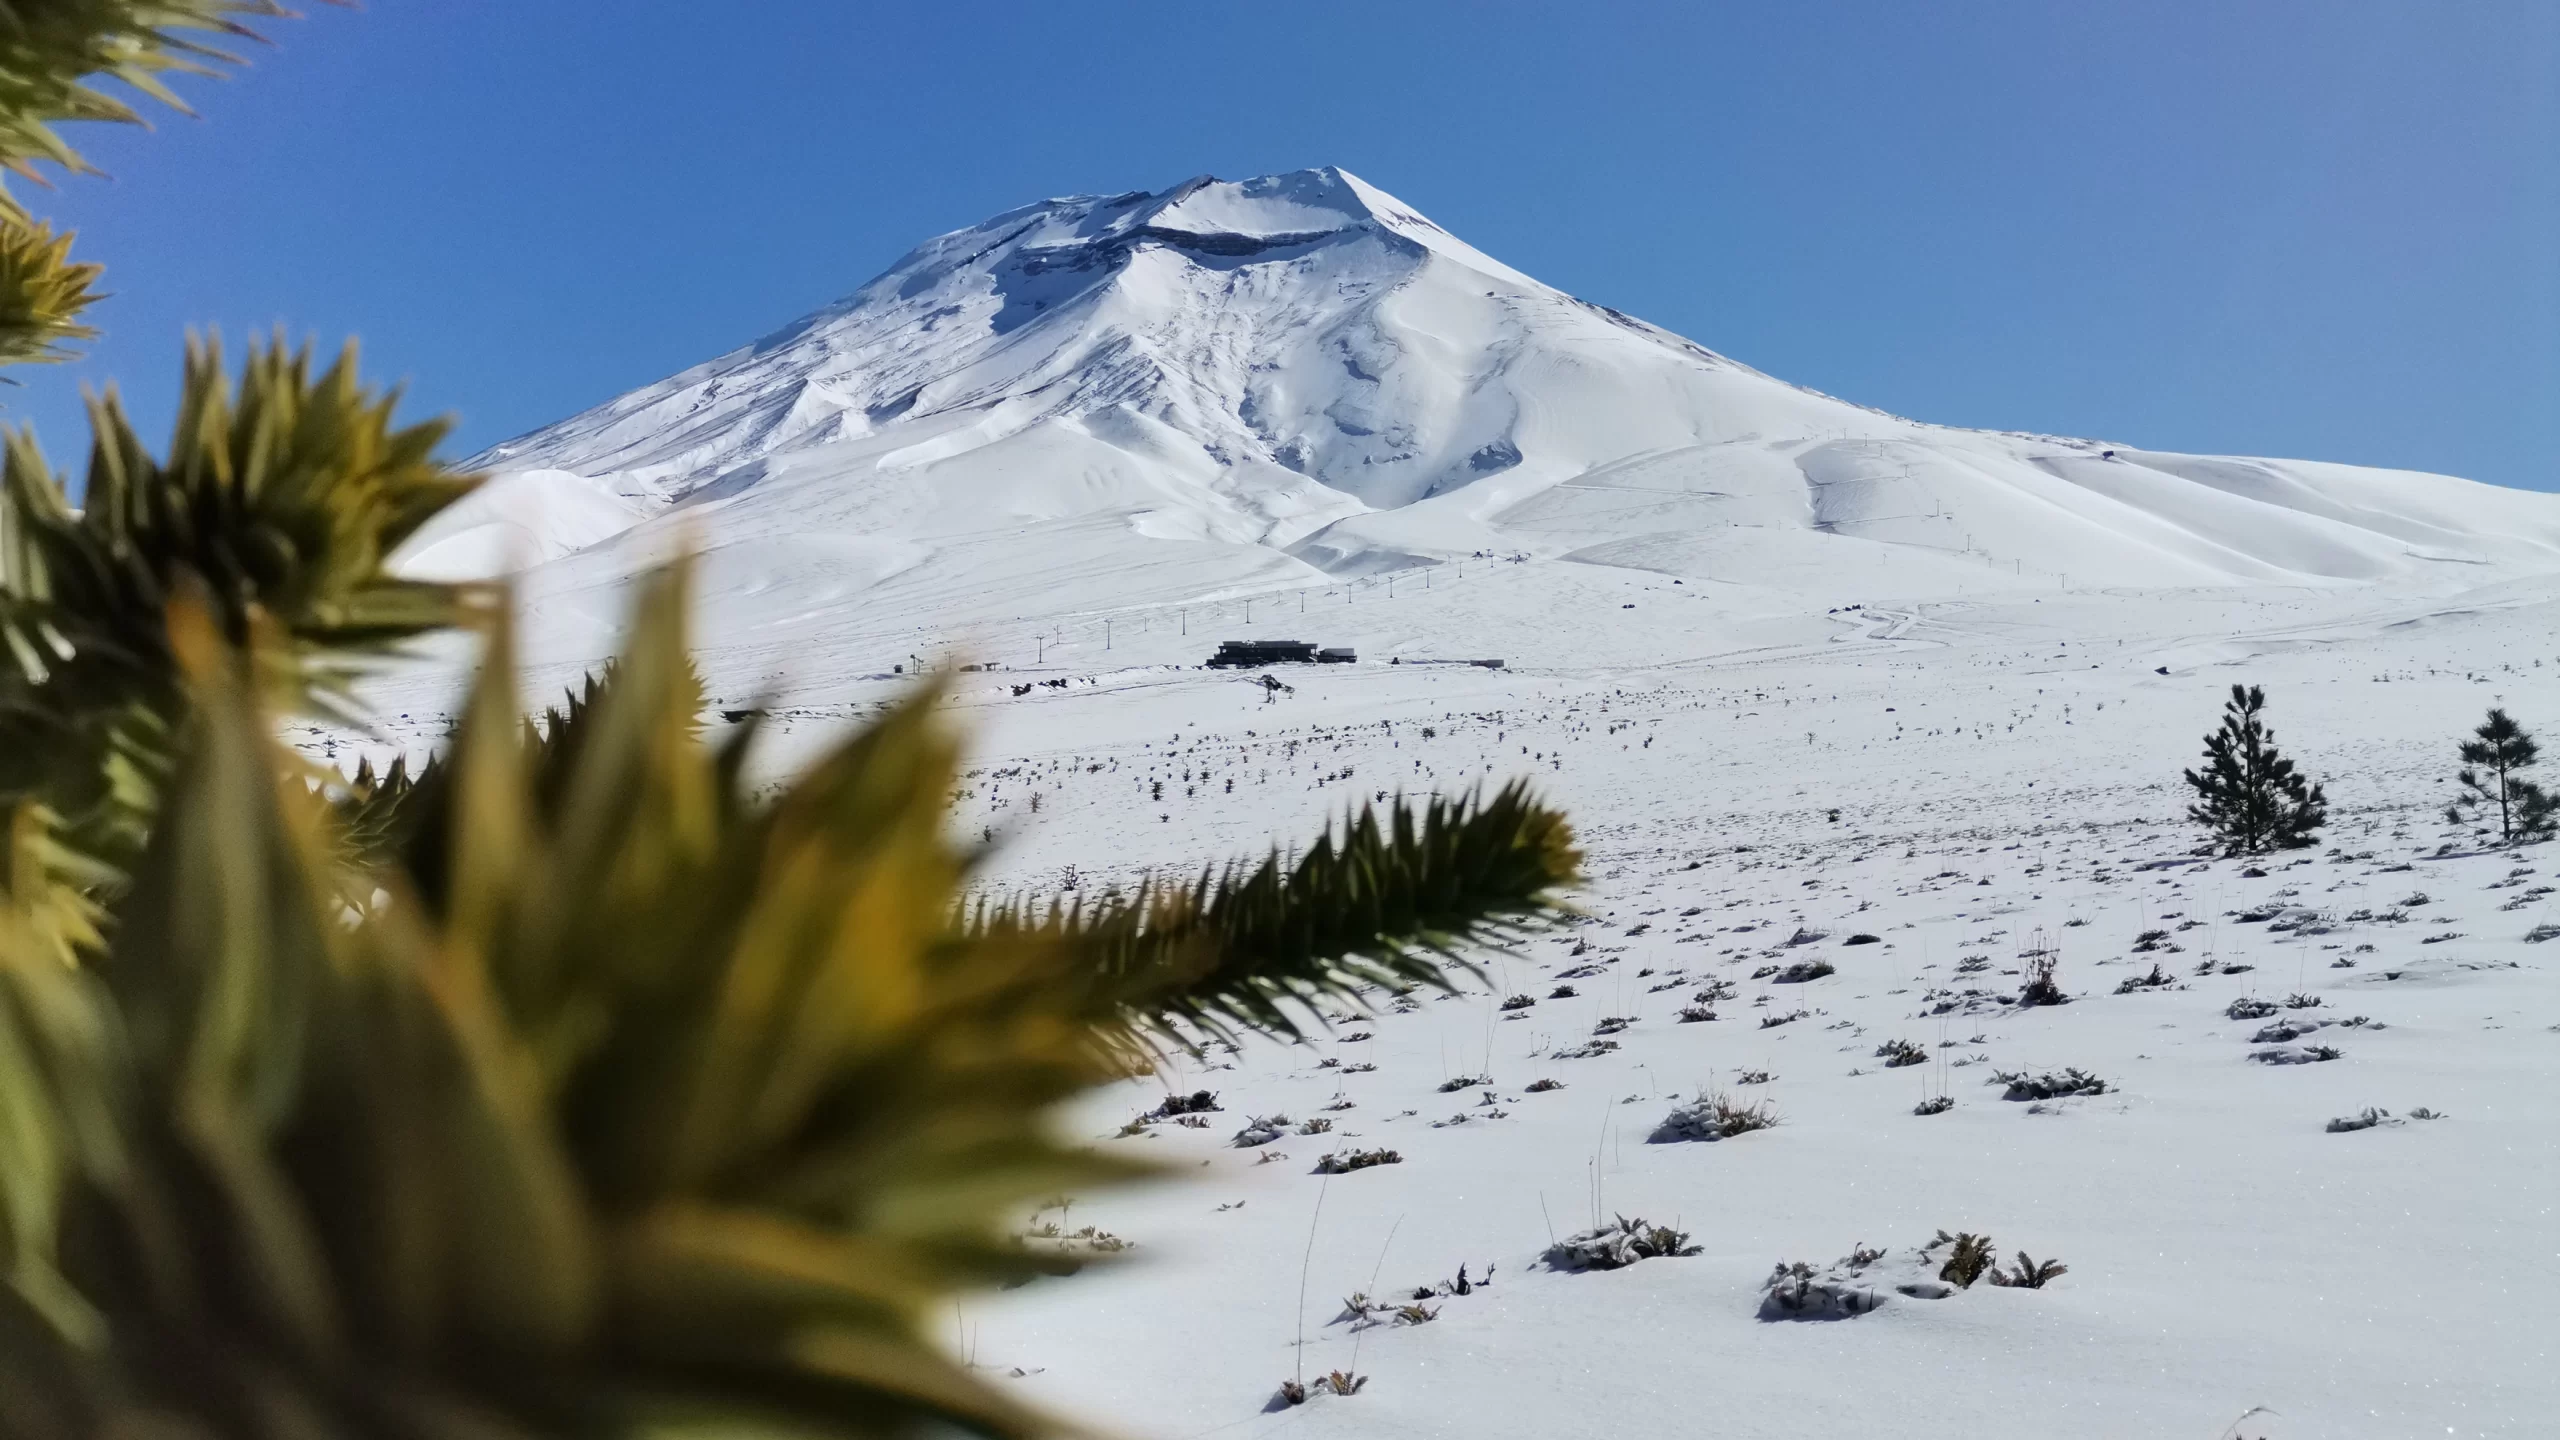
1814,682
1235,386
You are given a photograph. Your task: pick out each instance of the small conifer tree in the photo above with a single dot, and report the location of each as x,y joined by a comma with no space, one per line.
2493,760
2250,796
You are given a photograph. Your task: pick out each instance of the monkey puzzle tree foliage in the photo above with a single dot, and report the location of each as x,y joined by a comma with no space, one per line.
2249,796
50,52
567,1085
2502,751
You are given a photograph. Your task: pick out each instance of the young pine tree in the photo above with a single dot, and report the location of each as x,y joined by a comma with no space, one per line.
2251,797
2502,750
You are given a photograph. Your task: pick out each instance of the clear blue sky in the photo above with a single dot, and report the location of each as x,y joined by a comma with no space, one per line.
2327,229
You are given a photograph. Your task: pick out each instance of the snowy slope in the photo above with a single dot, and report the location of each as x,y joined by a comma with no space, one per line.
1951,775
1794,667
1235,387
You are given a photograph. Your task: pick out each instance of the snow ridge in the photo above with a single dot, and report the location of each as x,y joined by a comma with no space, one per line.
1231,385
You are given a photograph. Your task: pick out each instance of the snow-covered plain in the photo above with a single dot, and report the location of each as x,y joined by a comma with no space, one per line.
1797,669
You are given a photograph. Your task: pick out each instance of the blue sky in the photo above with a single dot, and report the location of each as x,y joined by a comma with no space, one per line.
2327,230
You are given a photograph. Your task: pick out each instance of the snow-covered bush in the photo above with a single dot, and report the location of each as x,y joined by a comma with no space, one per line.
2051,1085
2296,1054
1714,1116
1192,1104
1619,1243
1261,1130
1797,1291
1345,1161
2158,979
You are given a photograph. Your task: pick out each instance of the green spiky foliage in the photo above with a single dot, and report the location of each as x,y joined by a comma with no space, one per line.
1393,901
279,499
51,49
398,817
2248,795
2494,785
43,292
675,1107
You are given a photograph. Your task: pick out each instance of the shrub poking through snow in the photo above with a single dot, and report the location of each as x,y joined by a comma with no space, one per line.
1897,1053
2029,1275
1752,1077
1714,1116
1935,1105
2542,932
1797,1291
2051,1085
2158,979
2296,1054
1693,1014
1863,939
1519,1002
1342,1383
1291,1393
1317,1126
1059,1251
1345,1161
1562,992
1972,1255
1464,1082
2041,988
2369,1119
1620,1243
1714,990
2249,1007
1261,1130
1804,970
1197,1102
1542,1086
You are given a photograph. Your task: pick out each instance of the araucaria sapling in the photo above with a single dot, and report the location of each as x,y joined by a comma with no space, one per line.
2493,785
2250,797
